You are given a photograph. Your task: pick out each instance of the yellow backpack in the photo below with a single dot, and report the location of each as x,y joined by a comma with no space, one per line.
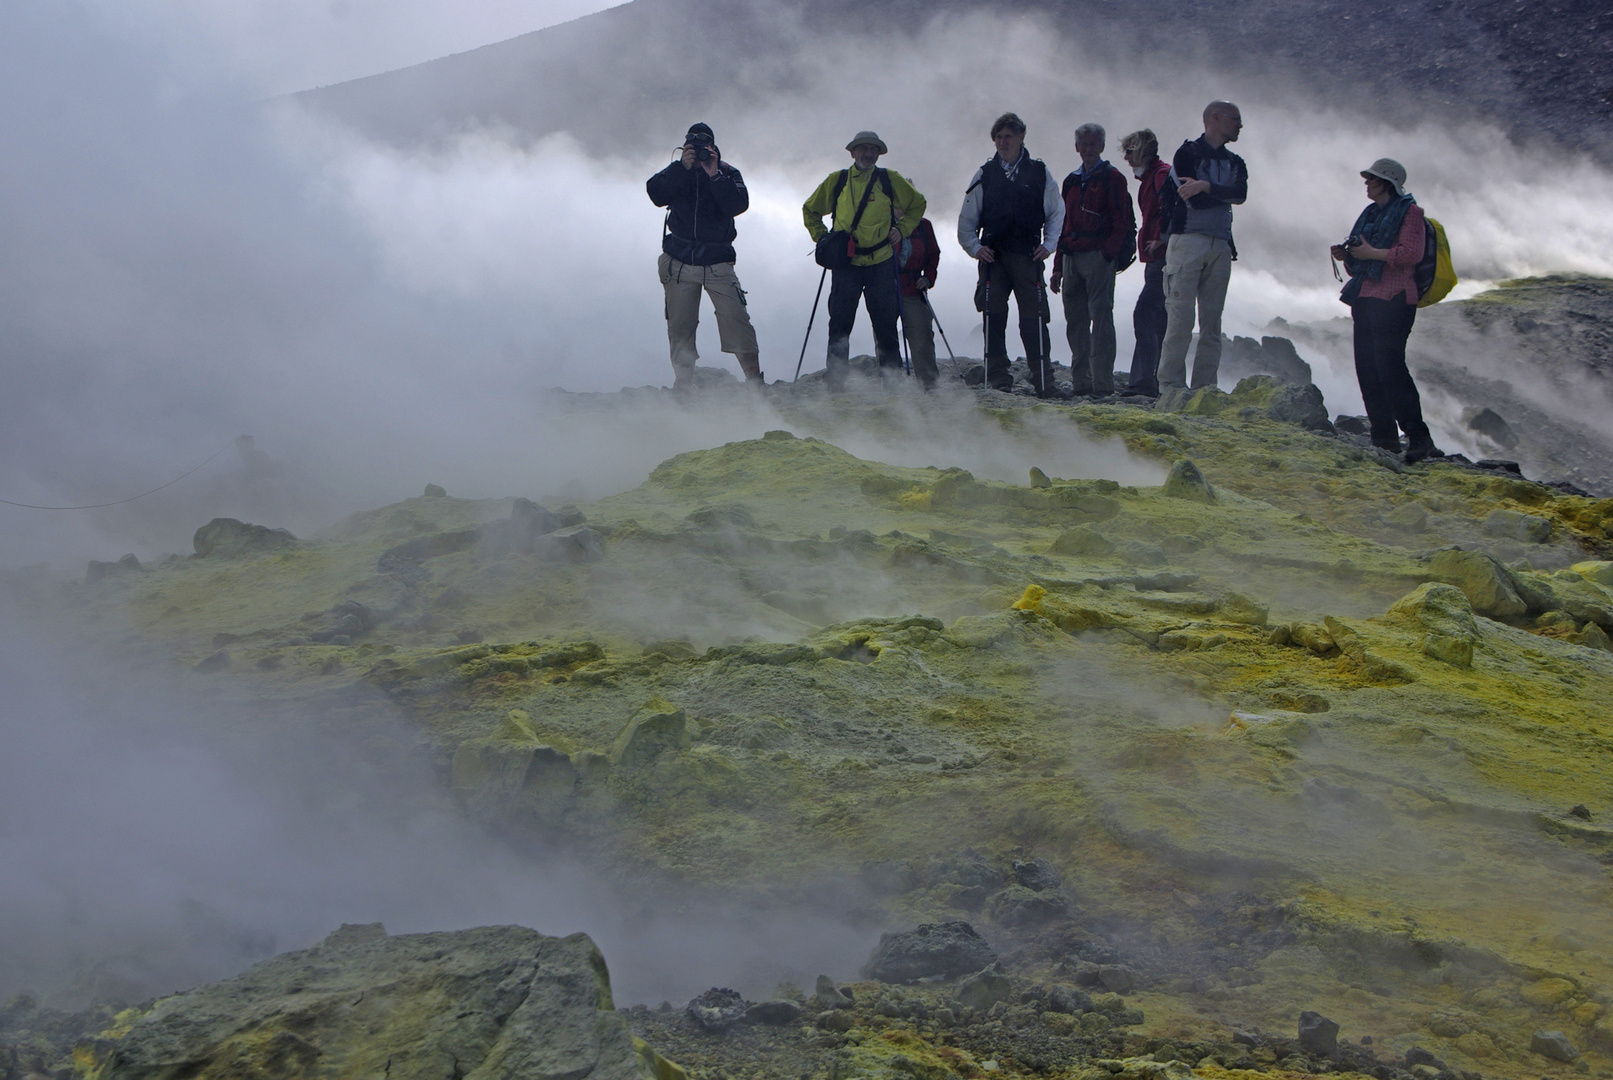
1435,276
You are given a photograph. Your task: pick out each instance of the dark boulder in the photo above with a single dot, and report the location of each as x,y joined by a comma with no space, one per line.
1554,1045
1493,426
99,571
780,1011
349,619
943,949
229,538
498,1003
718,1008
1318,1035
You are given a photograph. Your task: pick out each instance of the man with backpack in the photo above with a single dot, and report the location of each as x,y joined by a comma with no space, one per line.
870,210
1210,181
1010,222
918,257
703,194
1098,241
1154,190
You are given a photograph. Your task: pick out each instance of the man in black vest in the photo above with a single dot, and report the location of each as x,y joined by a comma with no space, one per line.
1011,218
703,194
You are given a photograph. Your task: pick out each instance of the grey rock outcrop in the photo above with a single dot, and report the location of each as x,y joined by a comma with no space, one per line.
1187,482
229,538
944,949
494,1003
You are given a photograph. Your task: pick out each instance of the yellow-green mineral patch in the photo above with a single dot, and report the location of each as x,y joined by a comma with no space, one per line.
1296,731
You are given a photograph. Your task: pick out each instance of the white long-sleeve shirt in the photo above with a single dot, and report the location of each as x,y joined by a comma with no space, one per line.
974,202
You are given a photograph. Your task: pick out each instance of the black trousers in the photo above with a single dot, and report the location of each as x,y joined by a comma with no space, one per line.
1148,323
1381,330
1018,274
875,286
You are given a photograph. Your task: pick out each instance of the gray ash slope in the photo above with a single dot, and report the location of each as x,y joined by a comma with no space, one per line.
1543,70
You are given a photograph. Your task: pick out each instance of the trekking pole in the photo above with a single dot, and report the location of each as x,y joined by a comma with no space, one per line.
955,365
1046,377
810,318
901,314
985,332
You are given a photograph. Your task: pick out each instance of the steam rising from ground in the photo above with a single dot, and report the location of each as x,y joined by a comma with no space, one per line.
155,836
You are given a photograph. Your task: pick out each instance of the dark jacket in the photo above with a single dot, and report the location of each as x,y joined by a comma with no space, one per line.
700,211
1097,212
921,257
1209,212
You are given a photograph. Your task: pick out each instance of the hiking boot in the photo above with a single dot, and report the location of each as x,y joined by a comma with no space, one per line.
1390,443
756,381
1421,449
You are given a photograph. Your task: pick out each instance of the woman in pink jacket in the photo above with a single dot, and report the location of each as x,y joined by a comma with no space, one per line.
1384,248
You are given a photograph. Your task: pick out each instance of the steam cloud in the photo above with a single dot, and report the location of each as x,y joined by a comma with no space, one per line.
180,264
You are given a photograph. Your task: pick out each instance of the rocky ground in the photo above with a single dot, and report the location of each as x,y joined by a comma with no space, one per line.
1523,372
1293,760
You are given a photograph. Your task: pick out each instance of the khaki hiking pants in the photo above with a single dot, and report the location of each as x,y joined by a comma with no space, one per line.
919,325
683,283
1089,321
1197,269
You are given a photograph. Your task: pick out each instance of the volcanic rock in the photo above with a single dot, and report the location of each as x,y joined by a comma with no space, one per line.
778,1011
830,996
718,1008
1082,540
229,538
1554,1045
1512,525
1067,999
1408,517
659,726
576,544
1018,906
984,988
1489,423
945,949
1187,482
435,491
1318,1035
499,1002
1443,611
1486,583
97,571
349,619
1035,874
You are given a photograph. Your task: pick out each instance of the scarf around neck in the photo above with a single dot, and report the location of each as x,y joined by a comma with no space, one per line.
1379,226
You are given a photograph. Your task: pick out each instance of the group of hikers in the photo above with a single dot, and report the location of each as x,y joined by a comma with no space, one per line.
883,254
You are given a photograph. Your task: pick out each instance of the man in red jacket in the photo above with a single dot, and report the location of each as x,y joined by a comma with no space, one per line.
1098,226
918,258
1148,320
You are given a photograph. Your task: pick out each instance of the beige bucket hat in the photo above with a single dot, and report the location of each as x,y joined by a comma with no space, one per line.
1390,171
868,138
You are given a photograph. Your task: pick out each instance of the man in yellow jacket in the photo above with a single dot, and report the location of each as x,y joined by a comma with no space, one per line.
894,209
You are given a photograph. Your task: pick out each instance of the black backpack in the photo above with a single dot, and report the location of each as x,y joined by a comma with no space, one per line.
837,248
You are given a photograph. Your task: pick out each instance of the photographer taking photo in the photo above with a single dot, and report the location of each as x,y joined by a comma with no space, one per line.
1385,245
703,194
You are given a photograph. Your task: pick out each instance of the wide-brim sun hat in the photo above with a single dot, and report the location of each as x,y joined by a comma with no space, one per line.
1390,171
868,138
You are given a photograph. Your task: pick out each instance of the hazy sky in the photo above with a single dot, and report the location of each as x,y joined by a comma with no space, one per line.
286,45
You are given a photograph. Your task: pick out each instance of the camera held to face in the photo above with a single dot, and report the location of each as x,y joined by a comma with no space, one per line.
702,144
